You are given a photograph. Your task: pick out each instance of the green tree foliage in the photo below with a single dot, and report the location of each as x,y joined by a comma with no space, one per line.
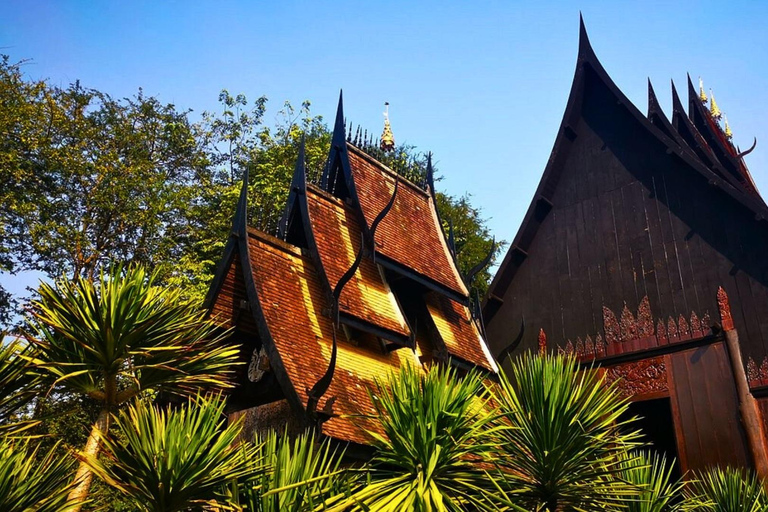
123,336
19,385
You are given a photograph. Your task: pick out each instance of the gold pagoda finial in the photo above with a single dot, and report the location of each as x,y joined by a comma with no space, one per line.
702,94
713,108
728,132
387,138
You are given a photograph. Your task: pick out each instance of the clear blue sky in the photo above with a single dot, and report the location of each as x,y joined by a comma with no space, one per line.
482,85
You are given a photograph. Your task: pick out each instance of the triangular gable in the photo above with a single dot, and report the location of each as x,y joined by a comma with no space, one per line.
542,202
409,240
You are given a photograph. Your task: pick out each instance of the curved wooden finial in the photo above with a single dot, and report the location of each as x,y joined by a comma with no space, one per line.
745,153
480,266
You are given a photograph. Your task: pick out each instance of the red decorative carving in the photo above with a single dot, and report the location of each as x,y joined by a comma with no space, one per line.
724,305
671,330
579,347
599,345
569,347
542,342
706,324
611,326
644,319
628,325
661,332
696,331
639,377
753,374
683,331
589,346
764,371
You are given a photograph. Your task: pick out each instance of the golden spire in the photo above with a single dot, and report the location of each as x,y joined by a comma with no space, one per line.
702,94
387,138
713,108
728,132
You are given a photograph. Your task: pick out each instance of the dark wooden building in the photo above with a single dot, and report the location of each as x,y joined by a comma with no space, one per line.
358,281
644,249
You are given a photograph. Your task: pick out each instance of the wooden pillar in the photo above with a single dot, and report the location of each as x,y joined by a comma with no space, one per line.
748,408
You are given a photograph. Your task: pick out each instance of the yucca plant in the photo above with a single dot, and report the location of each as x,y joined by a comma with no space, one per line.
18,385
31,482
437,434
294,474
727,490
115,339
653,477
566,444
170,460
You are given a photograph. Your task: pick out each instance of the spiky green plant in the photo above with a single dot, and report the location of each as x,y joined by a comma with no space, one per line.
174,459
32,482
120,337
652,475
436,435
727,490
18,385
565,445
301,474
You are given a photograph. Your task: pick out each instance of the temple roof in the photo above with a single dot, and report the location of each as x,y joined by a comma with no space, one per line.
589,68
338,237
410,235
316,298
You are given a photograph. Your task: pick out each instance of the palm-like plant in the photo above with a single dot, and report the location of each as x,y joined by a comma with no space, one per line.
565,445
301,474
116,339
437,435
727,490
29,482
171,460
17,385
652,475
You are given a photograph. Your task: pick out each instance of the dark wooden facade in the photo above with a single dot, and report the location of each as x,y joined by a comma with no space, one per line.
644,248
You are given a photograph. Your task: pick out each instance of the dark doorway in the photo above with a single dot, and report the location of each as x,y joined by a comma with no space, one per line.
658,427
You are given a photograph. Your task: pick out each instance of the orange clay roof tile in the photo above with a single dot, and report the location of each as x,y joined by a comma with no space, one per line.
293,303
410,234
338,236
458,331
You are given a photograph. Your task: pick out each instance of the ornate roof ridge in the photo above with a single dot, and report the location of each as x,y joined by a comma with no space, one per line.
393,174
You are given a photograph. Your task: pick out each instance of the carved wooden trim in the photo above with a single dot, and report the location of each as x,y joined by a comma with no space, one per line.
542,342
635,333
639,378
724,306
757,376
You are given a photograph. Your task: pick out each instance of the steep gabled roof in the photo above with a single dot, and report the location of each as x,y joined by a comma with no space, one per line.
541,205
367,297
721,147
410,239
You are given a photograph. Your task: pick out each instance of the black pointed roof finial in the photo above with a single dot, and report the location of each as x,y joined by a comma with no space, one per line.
240,223
338,128
298,186
585,47
430,175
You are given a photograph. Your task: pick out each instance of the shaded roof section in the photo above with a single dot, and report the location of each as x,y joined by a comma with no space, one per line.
410,236
292,302
721,147
338,236
589,66
458,331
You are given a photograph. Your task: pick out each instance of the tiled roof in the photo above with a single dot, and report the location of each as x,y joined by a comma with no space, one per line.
227,307
338,236
457,330
410,233
293,303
